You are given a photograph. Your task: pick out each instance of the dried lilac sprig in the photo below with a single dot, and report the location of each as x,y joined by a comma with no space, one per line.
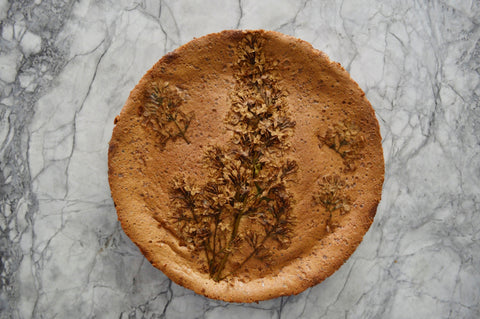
247,178
162,112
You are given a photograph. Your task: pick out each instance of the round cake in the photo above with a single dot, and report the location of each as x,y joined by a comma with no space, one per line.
246,165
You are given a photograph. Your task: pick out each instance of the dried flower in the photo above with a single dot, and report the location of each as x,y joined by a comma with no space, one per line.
332,196
345,139
247,178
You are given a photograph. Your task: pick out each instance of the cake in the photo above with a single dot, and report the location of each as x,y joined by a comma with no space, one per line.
246,165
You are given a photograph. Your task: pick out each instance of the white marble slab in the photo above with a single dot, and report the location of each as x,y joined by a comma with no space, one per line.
66,70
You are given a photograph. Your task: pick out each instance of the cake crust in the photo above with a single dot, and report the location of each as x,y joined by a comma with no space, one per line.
246,165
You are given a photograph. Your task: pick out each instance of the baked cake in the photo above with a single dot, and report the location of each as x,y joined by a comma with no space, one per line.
246,165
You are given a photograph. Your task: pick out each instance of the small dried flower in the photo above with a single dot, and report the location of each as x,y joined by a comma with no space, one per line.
163,114
332,196
345,139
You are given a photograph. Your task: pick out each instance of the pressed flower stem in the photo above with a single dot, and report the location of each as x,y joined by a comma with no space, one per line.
220,268
215,238
253,253
181,132
206,245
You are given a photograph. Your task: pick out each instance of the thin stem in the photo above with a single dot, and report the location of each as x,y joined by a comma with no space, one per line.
235,226
215,236
253,253
206,246
181,132
223,262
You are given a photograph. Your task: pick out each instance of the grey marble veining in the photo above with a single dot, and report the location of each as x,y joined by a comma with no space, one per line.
66,69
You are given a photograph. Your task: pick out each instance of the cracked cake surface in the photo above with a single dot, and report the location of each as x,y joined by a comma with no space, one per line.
246,165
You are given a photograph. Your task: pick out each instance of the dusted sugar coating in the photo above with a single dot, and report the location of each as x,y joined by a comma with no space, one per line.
246,165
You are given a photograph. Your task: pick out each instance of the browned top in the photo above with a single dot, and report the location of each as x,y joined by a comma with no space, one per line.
246,165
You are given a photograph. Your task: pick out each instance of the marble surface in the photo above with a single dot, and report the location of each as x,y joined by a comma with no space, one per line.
66,69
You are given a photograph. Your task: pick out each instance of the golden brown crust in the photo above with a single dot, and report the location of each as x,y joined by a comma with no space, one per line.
190,102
